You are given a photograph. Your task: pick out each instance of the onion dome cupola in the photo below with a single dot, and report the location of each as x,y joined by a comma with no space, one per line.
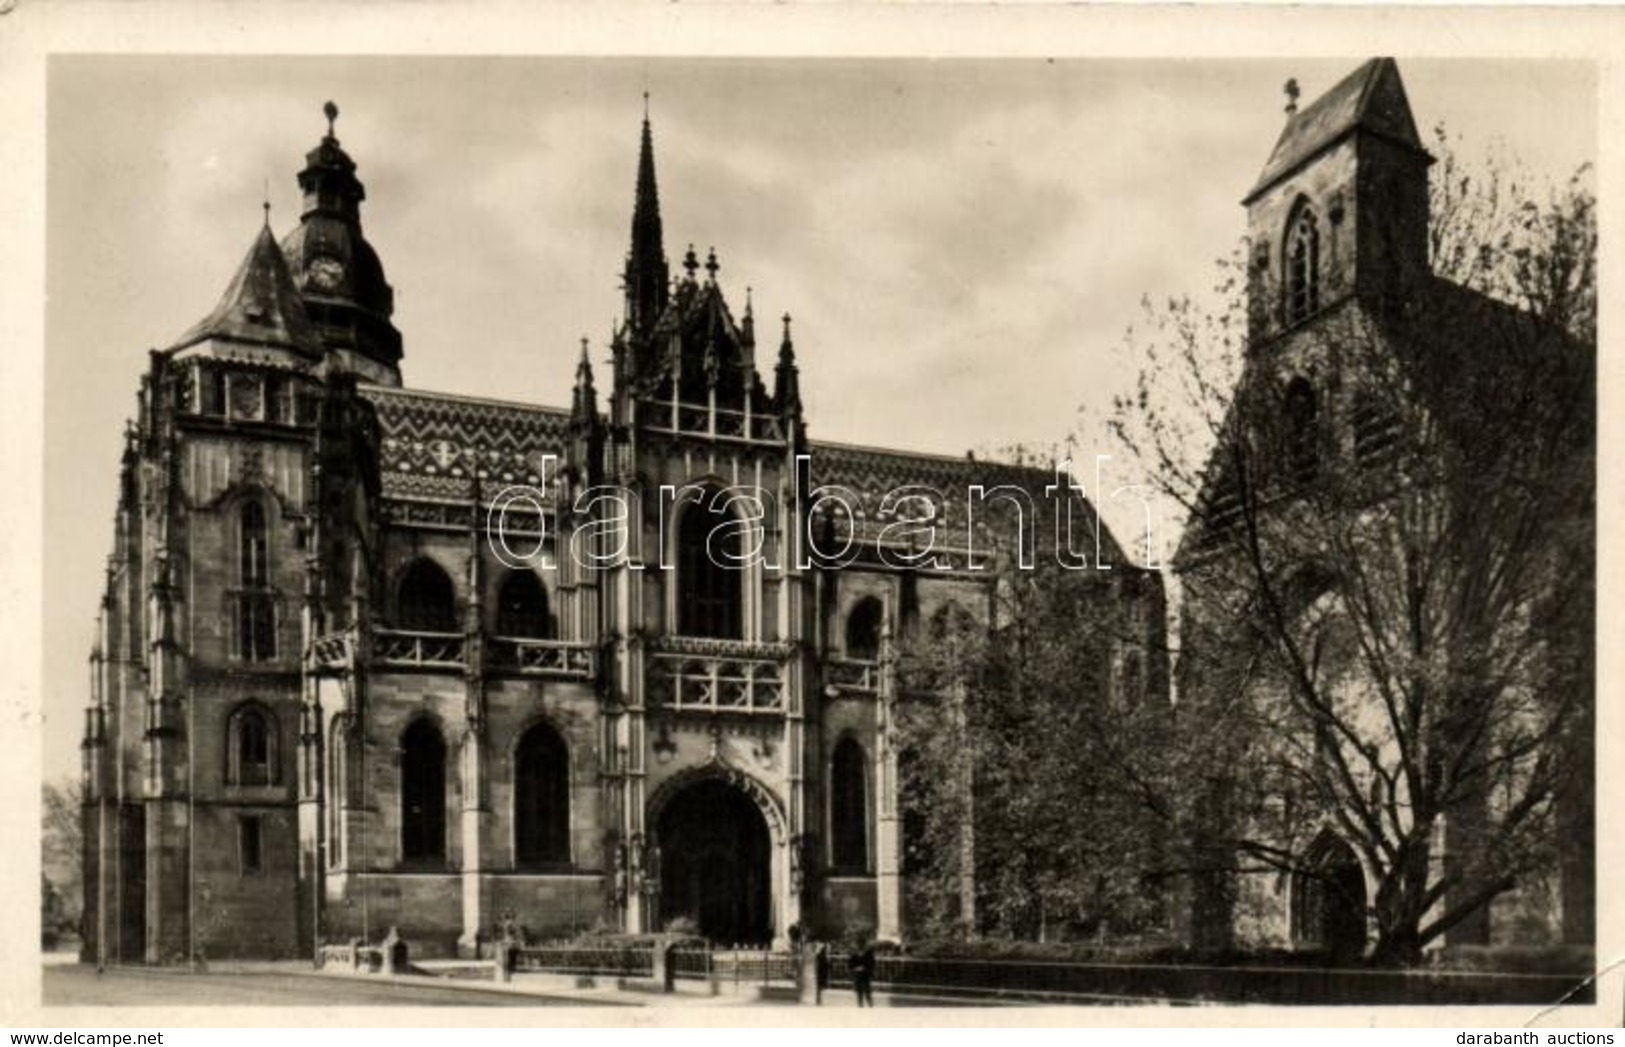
337,272
260,317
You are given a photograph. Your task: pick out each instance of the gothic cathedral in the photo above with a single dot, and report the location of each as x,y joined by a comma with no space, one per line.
373,657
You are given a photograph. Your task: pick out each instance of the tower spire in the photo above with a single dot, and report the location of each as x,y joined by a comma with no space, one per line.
647,276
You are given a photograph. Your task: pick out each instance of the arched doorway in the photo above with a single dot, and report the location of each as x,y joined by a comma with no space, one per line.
1329,899
716,863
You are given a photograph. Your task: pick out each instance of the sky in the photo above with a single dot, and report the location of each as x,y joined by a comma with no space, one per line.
962,243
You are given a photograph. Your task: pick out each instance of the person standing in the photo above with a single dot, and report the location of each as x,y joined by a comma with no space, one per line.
862,966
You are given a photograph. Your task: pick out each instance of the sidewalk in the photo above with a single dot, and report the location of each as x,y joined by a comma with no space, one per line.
476,979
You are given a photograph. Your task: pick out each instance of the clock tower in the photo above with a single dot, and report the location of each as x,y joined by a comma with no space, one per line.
337,272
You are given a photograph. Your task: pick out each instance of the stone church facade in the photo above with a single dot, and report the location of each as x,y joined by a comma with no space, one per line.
374,657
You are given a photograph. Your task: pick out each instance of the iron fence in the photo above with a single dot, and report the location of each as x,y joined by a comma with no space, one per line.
610,960
1129,983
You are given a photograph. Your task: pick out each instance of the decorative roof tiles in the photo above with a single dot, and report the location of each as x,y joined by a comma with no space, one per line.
432,444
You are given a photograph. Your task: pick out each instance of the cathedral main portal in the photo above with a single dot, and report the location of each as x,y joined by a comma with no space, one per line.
715,863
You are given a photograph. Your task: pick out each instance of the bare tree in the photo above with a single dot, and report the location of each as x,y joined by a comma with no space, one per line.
1386,590
62,857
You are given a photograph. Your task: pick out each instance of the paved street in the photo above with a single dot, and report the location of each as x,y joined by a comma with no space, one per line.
132,987
78,985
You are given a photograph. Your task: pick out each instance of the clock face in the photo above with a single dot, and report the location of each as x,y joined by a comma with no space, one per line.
326,273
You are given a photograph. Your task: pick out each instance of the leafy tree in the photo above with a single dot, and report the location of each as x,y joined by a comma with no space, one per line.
1019,718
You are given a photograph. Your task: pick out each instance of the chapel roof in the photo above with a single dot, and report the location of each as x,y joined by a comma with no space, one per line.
1372,98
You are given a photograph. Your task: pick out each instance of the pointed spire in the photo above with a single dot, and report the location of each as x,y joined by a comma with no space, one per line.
747,324
646,276
786,376
584,404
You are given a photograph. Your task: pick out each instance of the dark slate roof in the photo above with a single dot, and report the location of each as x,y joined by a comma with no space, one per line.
1372,98
1481,365
431,444
260,306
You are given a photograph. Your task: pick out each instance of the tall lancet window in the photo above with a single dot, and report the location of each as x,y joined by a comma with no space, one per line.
1302,266
423,794
256,609
849,809
709,573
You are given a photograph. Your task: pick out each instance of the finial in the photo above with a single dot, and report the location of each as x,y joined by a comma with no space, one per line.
1291,96
265,201
645,107
711,265
747,299
584,349
786,327
332,112
691,262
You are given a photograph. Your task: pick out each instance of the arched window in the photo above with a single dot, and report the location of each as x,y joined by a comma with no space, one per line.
541,800
425,600
863,629
1329,899
251,740
1302,431
256,607
522,607
849,809
423,793
709,573
1302,266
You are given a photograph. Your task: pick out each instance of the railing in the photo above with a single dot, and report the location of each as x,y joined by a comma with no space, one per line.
852,674
333,651
753,966
608,960
402,647
540,657
1124,983
707,676
692,963
702,420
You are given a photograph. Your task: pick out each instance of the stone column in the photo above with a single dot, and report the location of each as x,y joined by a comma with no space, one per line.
888,823
476,903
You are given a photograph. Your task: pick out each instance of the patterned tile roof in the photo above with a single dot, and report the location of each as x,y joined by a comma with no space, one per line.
430,444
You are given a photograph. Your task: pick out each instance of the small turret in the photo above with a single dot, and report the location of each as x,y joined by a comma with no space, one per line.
787,377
